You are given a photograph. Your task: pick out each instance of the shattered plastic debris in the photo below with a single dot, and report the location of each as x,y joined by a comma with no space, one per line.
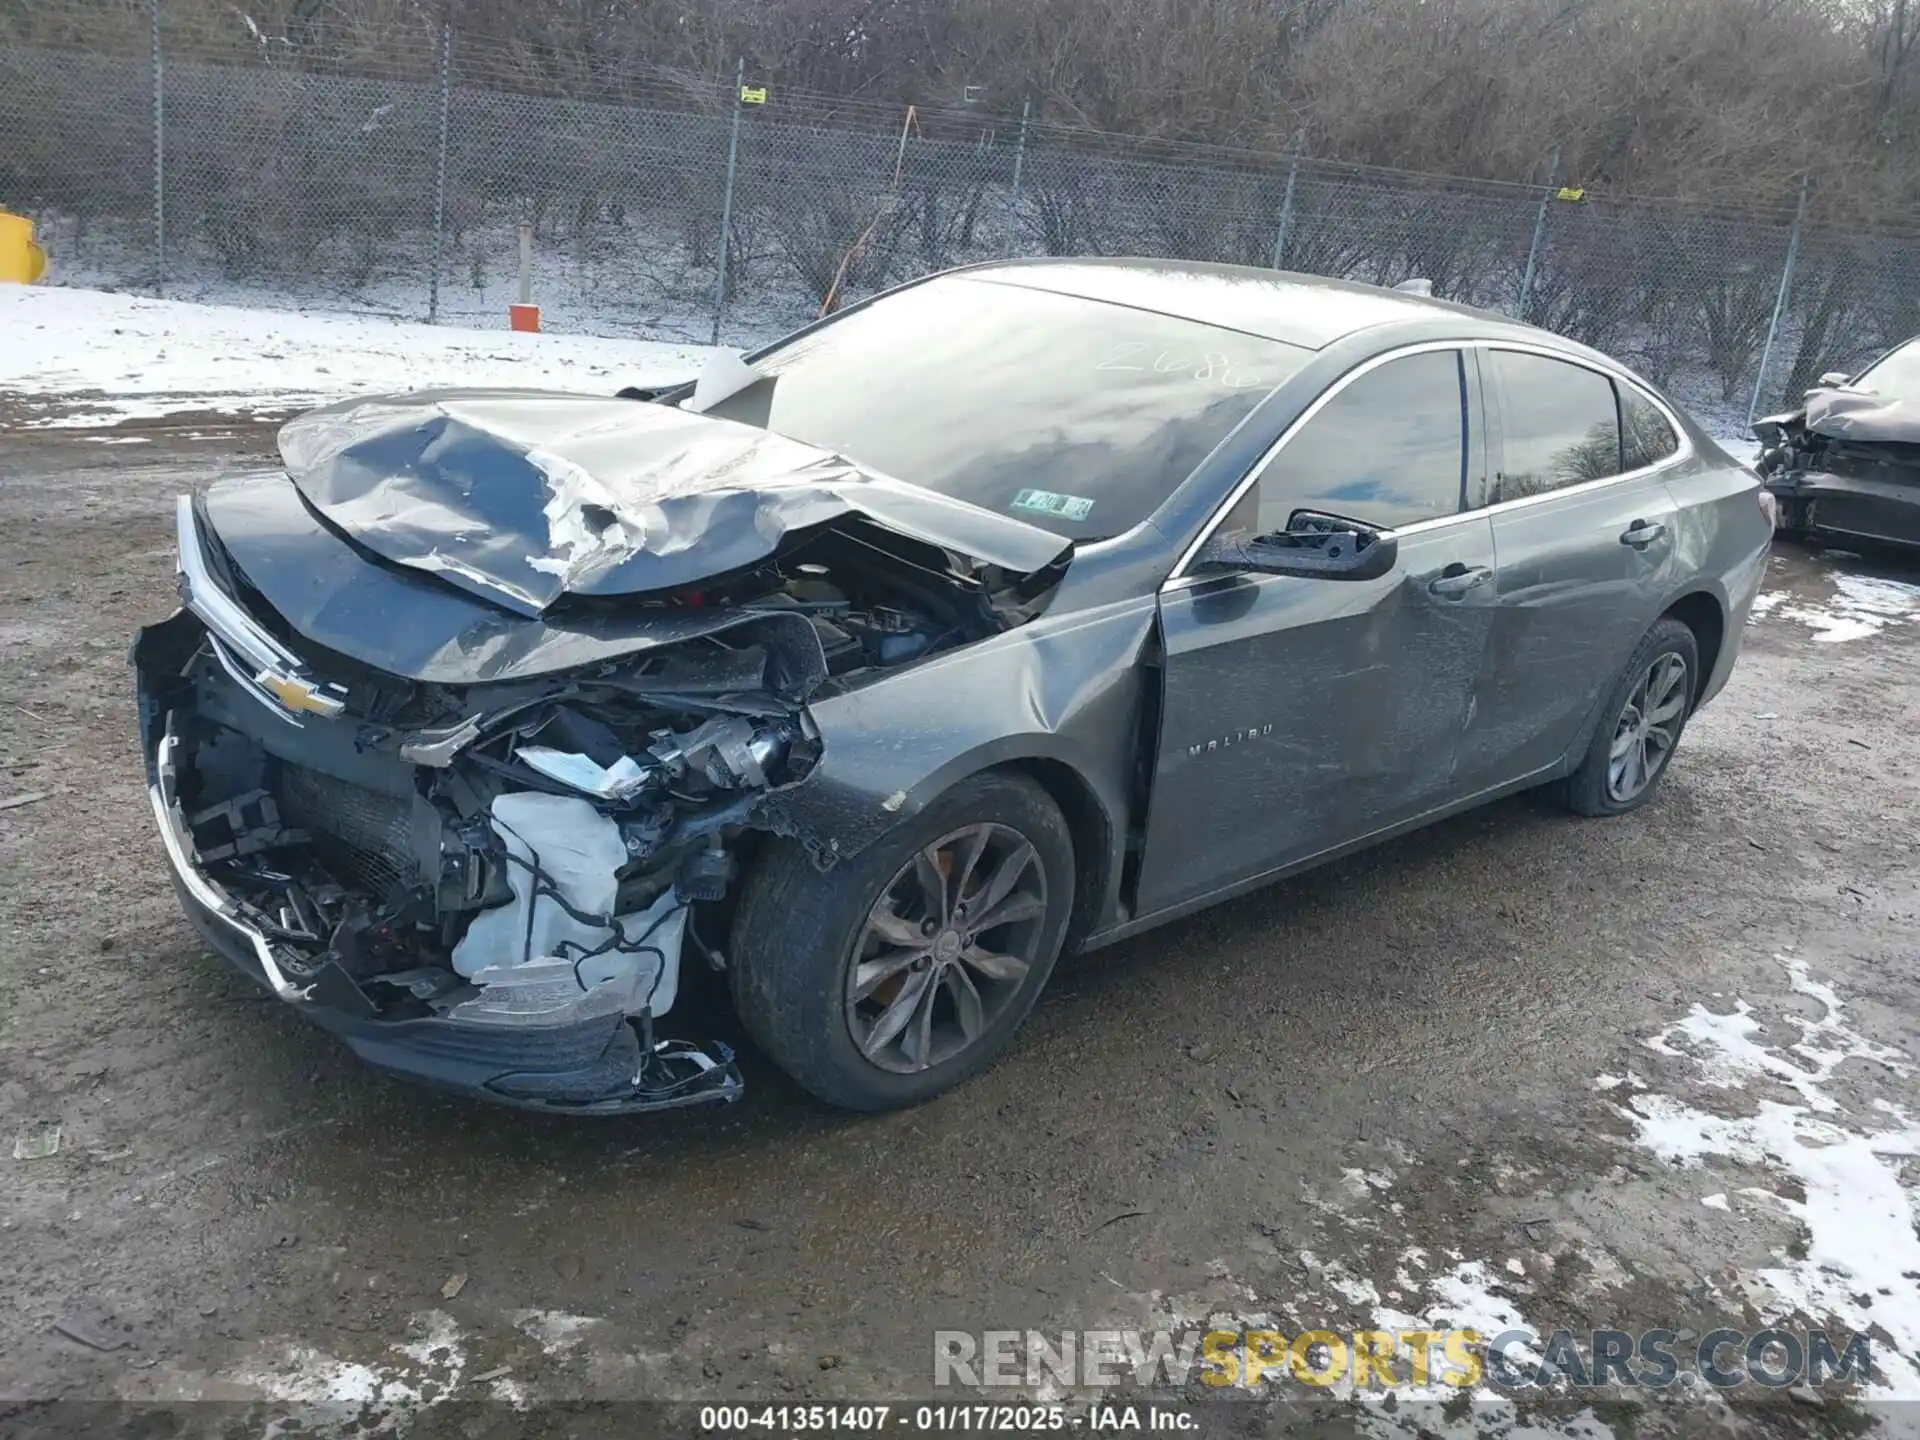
621,780
455,1284
37,1141
84,1332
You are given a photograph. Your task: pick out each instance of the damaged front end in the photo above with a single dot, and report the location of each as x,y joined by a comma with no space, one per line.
474,855
1847,466
496,902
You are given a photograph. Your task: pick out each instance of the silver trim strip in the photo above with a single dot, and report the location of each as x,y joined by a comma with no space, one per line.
1611,371
236,631
213,605
248,683
166,815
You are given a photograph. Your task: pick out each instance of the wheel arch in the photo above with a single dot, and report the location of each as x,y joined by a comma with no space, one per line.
1090,827
1702,612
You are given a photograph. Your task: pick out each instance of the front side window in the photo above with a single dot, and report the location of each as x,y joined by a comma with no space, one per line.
1562,426
1389,450
1075,415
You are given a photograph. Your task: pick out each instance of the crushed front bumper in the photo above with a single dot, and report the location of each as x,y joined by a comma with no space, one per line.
1851,507
604,1064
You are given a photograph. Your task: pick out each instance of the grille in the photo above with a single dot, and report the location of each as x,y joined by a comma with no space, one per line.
361,835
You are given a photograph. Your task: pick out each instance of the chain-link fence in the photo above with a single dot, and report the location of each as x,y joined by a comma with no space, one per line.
319,168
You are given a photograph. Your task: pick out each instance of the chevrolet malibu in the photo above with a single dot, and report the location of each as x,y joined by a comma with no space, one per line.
1015,611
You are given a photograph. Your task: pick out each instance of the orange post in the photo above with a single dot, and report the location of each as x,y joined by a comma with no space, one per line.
526,314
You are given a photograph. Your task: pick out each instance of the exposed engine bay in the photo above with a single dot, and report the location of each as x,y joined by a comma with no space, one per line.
1847,465
533,853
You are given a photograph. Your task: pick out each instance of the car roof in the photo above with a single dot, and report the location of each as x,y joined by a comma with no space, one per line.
1305,310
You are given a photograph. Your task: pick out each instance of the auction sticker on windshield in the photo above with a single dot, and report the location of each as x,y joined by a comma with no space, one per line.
1045,502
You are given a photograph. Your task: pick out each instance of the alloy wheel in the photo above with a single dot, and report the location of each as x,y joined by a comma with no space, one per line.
946,947
1648,727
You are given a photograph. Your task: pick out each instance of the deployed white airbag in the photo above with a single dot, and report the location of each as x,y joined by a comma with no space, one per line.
532,958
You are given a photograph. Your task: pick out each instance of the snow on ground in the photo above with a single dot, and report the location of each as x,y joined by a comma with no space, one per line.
1861,606
1845,1176
128,357
135,357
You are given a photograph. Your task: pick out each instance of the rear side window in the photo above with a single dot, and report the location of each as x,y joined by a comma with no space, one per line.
1389,450
1645,436
1561,425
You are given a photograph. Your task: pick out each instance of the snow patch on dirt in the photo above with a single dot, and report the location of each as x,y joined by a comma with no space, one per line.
1861,606
110,358
427,1372
1857,1173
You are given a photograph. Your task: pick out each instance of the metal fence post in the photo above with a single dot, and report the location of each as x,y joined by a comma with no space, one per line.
440,173
159,159
1286,211
1539,239
726,204
1779,302
1020,149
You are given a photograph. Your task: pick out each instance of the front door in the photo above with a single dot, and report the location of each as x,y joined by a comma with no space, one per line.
1300,714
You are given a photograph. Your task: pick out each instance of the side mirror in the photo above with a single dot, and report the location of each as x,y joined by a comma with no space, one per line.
1832,380
1309,554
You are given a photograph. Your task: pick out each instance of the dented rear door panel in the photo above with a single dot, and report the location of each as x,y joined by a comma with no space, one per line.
1574,599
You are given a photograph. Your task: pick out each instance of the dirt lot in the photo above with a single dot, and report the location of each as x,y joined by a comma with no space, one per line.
1647,1072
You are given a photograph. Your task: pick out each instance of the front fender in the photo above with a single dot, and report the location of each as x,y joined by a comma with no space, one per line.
1071,691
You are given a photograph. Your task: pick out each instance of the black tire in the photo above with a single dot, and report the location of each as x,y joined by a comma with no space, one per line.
1586,791
797,929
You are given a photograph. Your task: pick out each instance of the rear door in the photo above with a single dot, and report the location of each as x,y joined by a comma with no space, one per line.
1298,714
1584,531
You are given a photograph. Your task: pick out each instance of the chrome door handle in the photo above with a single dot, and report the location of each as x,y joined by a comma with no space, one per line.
1457,580
1642,533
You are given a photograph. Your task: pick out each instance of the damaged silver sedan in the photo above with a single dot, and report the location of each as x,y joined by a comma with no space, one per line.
1016,611
1846,466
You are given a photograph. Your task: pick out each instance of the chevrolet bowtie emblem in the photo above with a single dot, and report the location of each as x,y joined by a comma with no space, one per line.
297,695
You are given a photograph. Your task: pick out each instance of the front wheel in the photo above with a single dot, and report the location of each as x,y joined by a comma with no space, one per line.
1641,724
905,970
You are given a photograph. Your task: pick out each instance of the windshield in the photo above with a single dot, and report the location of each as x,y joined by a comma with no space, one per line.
1894,374
1074,415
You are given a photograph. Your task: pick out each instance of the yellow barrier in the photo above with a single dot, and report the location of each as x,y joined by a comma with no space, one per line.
21,261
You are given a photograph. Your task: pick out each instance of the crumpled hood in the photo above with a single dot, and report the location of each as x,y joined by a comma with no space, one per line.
1859,415
522,496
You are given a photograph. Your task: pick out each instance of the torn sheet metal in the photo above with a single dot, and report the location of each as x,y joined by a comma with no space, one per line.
552,951
1857,415
332,593
523,497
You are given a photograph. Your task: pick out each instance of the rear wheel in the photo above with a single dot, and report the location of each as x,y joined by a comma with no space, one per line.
1641,724
905,970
